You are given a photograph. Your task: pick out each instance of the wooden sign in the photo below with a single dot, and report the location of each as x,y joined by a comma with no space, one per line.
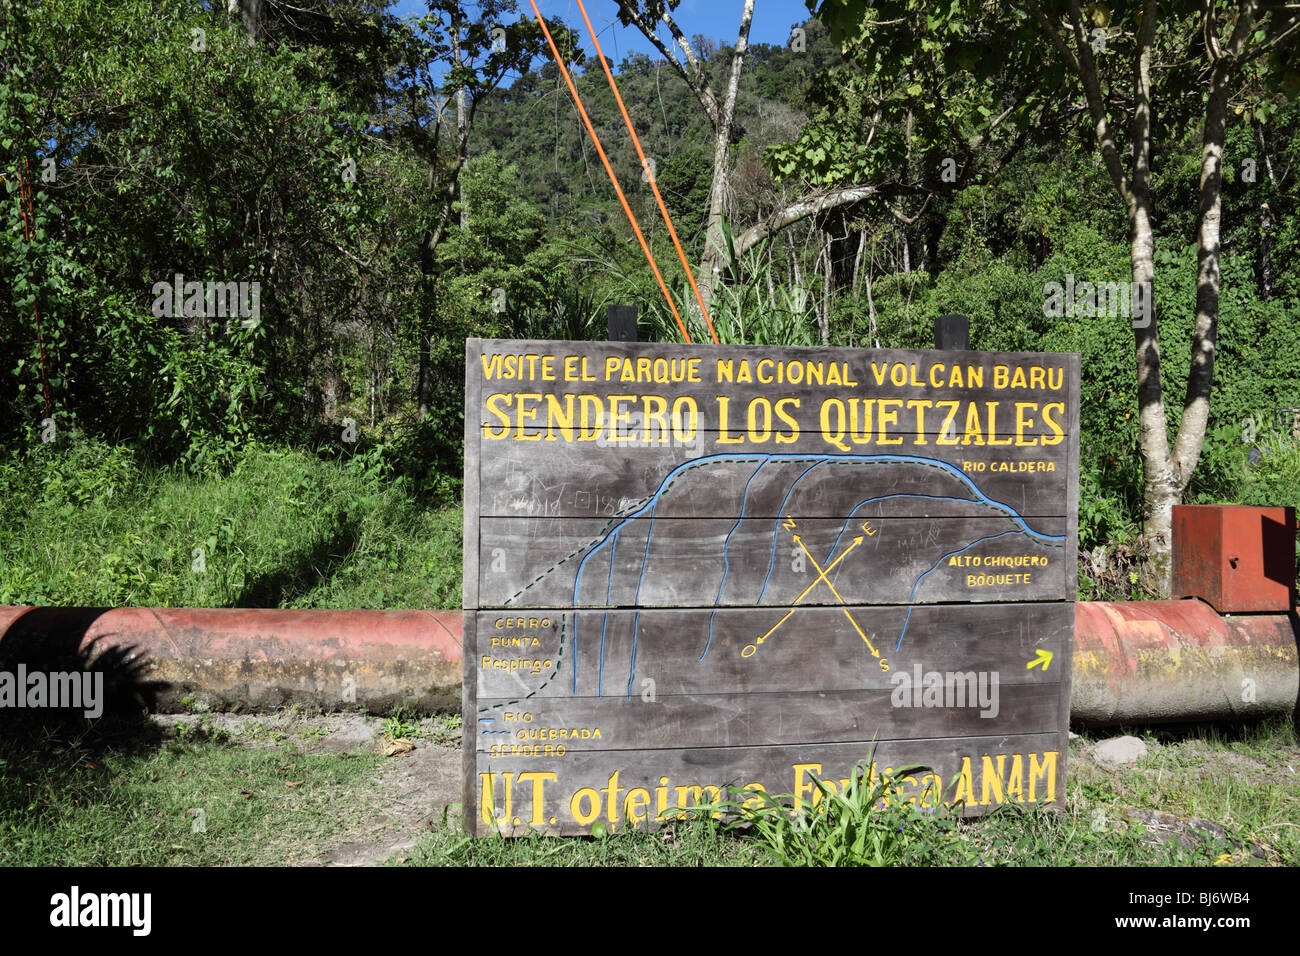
692,571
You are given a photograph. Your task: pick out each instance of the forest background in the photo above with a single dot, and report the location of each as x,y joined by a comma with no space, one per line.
394,186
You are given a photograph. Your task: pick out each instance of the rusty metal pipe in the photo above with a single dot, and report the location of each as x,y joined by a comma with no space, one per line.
1134,662
257,659
1145,662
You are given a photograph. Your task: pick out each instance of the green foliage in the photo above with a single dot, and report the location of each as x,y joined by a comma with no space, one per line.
866,823
86,524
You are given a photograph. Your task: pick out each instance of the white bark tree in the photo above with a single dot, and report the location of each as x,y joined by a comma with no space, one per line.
1226,51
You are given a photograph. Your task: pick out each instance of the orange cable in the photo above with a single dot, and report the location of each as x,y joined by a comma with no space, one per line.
650,177
609,169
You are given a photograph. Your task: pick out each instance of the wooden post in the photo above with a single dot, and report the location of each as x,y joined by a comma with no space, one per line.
622,323
952,331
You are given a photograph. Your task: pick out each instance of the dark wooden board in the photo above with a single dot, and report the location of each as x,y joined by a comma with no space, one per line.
682,562
756,582
812,649
571,480
570,787
778,718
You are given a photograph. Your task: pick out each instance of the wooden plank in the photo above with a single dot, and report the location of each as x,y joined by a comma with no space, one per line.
1072,538
671,652
469,711
948,706
679,562
470,578
907,374
573,480
470,493
570,794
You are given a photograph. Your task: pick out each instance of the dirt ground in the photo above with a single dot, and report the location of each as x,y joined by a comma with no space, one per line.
410,793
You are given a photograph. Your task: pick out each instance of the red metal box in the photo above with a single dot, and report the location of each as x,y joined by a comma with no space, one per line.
1238,558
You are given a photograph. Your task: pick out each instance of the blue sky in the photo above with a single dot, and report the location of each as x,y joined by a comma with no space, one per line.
717,19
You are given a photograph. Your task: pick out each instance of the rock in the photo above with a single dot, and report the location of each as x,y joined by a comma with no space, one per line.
1119,751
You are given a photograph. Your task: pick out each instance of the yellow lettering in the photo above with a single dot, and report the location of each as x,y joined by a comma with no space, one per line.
1057,433
634,805
992,780
538,780
554,416
920,405
591,426
973,426
758,434
793,436
1023,423
659,416
723,437
888,417
522,412
965,785
835,439
584,817
1036,771
800,787
492,402
948,430
684,431
993,427
617,416
1015,783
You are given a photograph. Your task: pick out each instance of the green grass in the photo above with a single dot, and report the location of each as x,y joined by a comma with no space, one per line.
87,526
688,843
441,729
197,799
1243,778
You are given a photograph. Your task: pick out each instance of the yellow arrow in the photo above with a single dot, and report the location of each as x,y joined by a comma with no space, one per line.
821,576
1043,657
874,652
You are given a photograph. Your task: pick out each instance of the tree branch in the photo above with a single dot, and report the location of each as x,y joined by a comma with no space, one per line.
801,209
695,77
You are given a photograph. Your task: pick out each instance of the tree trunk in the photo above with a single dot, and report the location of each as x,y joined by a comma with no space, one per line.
824,316
1266,222
713,242
1161,489
461,120
871,305
857,258
424,382
250,14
